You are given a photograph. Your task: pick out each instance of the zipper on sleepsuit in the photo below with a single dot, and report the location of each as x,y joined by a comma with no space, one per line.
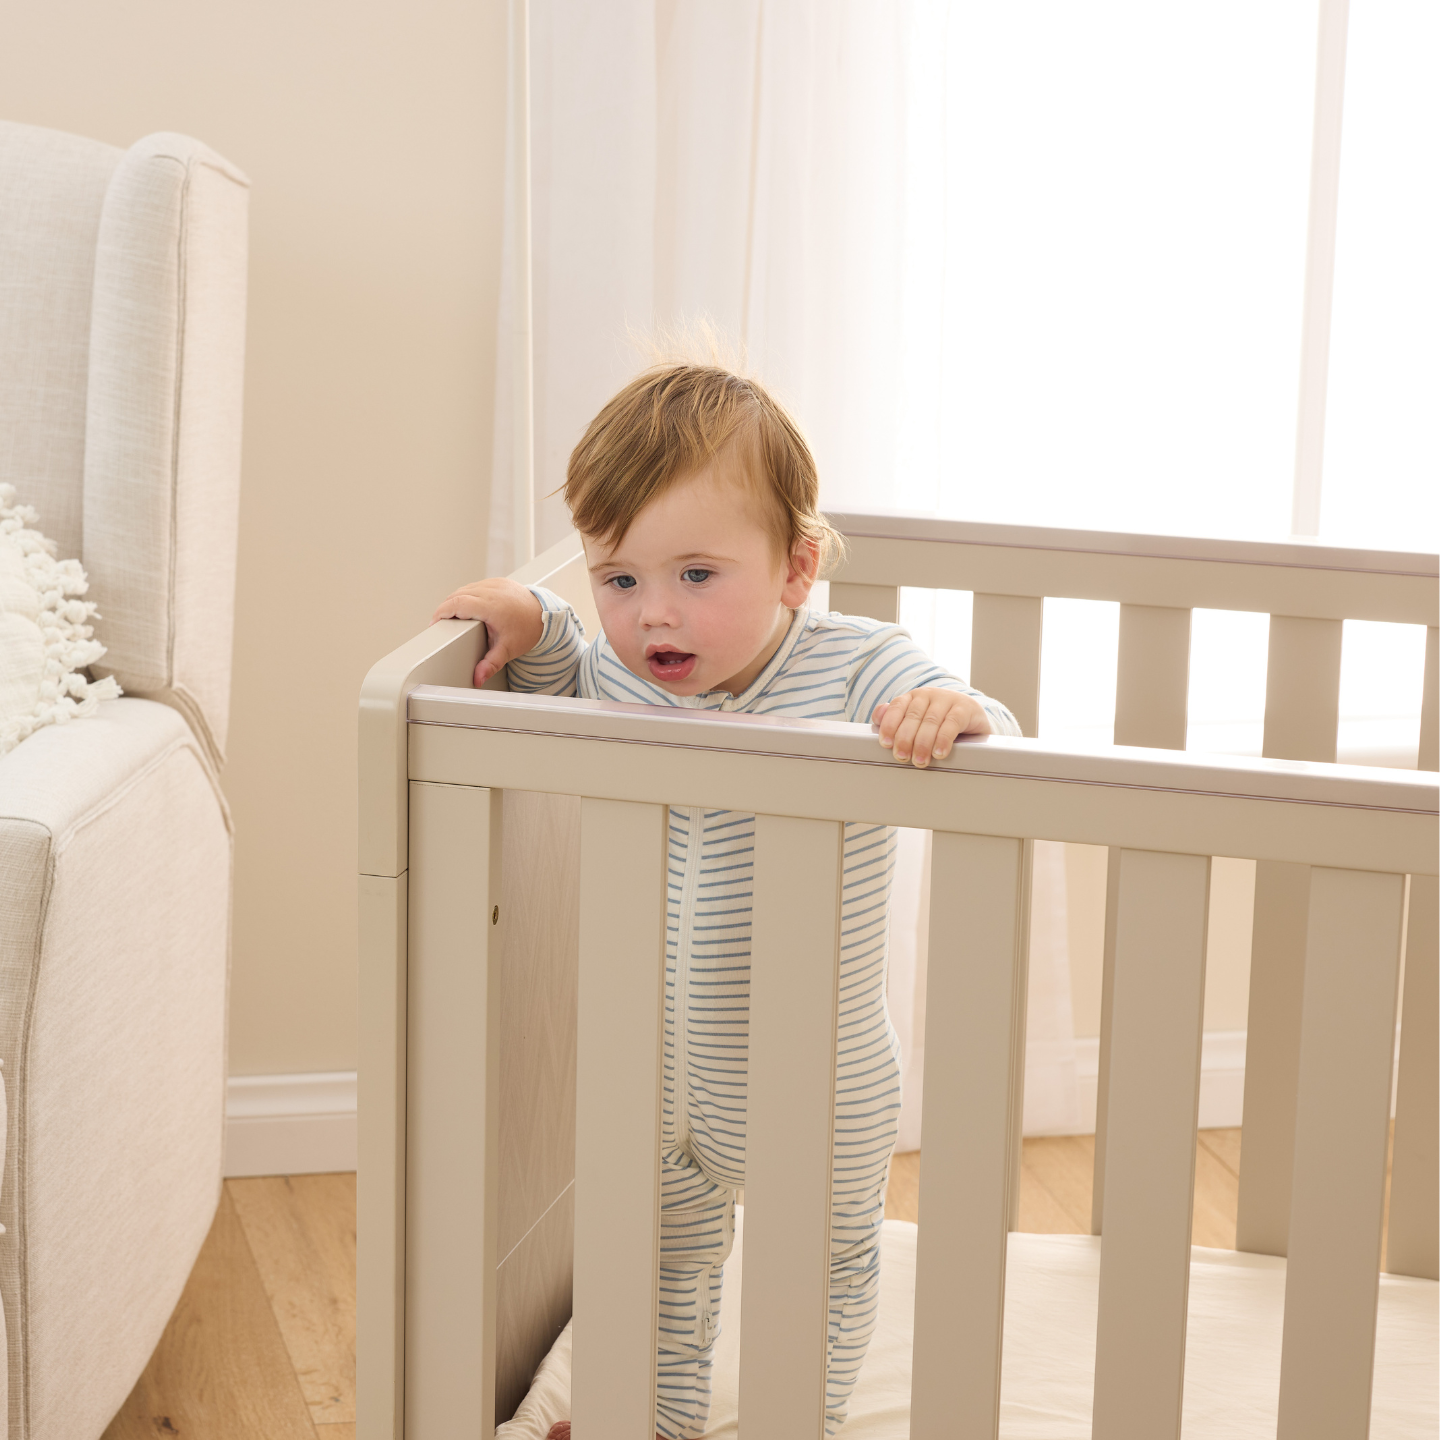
688,889
707,1317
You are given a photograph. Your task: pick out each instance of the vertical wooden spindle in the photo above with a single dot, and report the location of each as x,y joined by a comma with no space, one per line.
1341,1129
879,602
976,925
1152,690
1413,1244
1302,700
1430,704
1157,1011
618,1066
794,980
1005,633
1152,678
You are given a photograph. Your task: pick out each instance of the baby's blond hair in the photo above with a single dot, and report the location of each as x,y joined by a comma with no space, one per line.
675,419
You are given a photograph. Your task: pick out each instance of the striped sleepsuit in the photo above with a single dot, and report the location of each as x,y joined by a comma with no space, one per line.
828,667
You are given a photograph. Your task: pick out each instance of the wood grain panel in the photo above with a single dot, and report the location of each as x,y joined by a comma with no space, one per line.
540,903
221,1371
532,1302
301,1230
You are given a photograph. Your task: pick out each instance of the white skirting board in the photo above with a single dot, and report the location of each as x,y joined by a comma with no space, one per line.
290,1124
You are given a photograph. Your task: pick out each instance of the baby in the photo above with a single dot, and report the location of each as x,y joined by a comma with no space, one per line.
696,496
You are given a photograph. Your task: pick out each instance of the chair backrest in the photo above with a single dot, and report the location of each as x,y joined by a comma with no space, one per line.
122,325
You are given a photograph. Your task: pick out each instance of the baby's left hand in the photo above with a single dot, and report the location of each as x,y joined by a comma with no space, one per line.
923,723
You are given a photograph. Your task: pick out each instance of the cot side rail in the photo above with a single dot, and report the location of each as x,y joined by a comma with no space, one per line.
1165,812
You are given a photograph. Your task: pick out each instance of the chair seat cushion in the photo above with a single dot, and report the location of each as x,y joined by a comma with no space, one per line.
114,931
1232,1357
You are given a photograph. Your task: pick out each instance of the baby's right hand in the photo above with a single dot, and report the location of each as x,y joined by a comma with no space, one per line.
514,620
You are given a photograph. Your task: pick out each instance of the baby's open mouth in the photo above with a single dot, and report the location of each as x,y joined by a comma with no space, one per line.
671,665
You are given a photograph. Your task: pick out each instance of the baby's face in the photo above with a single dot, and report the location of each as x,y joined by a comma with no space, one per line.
693,598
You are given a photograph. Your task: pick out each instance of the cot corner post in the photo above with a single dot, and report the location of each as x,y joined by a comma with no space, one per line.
452,1109
380,1182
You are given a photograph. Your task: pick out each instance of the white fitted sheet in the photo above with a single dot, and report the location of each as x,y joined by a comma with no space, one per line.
1232,1358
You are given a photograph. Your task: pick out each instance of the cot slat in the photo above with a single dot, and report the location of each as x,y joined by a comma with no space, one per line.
1107,997
879,602
1414,1237
1018,1015
1302,698
452,1111
617,1117
1272,1055
1302,689
1152,683
794,972
975,928
1430,704
1152,690
1005,653
1341,1124
1155,1026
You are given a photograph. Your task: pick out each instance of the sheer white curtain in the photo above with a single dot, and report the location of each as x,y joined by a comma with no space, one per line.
1040,262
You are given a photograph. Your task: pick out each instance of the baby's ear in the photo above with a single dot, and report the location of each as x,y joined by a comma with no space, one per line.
801,570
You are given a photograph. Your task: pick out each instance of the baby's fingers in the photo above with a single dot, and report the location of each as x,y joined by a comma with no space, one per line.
889,716
492,661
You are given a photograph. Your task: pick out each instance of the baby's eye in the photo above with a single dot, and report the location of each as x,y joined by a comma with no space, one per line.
695,575
622,582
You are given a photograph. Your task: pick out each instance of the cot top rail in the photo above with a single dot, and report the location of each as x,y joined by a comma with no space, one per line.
1297,553
1001,756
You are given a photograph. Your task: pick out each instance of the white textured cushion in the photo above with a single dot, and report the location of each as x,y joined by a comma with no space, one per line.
1232,1351
45,640
114,943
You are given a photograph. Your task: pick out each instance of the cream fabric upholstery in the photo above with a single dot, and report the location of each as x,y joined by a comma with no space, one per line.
122,312
52,188
122,278
115,853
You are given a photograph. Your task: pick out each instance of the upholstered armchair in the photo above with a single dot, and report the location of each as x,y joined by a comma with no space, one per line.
122,314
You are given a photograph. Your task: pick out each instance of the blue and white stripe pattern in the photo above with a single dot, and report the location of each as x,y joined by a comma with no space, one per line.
829,667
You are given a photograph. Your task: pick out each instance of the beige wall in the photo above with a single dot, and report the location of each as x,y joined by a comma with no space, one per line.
373,134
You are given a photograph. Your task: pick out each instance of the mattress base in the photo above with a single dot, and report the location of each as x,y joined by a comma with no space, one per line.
1232,1354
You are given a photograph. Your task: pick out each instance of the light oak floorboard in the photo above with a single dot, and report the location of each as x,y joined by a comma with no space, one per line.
220,1371
343,1431
301,1230
1056,1172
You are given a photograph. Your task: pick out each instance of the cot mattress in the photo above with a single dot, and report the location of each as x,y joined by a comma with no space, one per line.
1232,1356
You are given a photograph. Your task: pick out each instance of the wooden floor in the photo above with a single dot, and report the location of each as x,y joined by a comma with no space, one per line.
262,1344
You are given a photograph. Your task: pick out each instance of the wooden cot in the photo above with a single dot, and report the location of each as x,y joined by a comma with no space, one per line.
512,921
